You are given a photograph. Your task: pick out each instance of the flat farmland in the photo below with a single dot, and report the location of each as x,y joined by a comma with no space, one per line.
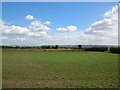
59,69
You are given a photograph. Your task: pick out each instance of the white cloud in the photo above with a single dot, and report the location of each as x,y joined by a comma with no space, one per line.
67,29
2,22
111,12
99,27
22,31
36,23
21,39
105,30
15,30
61,29
38,26
38,34
47,23
3,38
29,17
68,37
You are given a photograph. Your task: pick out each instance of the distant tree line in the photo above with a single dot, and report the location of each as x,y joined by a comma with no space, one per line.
30,47
115,50
18,47
50,47
102,49
79,47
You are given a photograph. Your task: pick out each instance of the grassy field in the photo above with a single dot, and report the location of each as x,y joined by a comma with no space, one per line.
59,69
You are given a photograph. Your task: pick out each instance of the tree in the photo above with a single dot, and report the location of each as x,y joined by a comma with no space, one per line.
79,46
43,47
56,47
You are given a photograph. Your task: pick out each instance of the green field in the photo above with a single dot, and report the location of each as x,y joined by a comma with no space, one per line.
59,69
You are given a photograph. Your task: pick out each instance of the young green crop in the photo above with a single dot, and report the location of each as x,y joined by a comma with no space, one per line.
59,69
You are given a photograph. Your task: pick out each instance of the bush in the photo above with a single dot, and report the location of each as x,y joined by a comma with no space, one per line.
102,49
115,50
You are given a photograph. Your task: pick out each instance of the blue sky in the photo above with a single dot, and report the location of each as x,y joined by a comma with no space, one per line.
60,14
82,16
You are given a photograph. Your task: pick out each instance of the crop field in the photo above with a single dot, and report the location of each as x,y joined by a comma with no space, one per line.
59,69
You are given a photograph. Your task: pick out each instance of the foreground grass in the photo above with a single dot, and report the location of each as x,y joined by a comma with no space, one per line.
61,69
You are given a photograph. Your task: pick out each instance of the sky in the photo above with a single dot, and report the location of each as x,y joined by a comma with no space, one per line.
61,23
